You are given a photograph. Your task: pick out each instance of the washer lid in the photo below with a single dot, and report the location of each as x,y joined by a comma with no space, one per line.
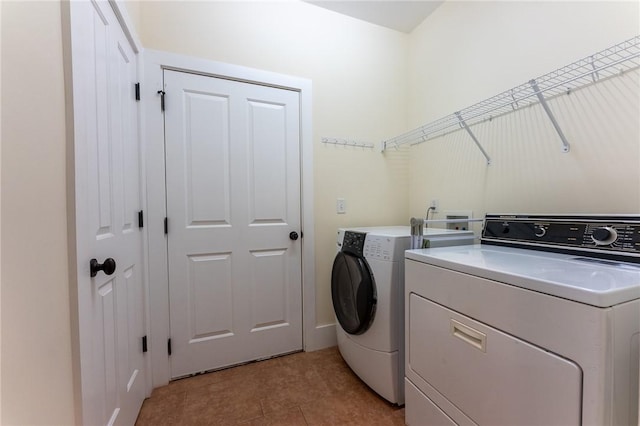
587,280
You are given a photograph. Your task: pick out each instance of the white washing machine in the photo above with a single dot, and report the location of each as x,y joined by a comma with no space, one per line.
367,288
536,325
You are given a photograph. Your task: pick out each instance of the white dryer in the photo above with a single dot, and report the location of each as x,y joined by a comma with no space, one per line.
538,325
367,287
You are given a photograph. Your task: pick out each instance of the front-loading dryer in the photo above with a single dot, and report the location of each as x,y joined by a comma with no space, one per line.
367,288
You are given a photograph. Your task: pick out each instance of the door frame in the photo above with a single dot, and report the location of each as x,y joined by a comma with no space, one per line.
154,64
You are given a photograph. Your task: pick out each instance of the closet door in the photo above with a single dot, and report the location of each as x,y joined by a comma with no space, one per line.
233,208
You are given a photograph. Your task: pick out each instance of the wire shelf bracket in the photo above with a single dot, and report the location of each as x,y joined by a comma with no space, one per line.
608,63
545,106
464,126
346,142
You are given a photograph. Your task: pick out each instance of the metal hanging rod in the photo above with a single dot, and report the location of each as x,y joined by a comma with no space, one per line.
607,63
346,142
457,220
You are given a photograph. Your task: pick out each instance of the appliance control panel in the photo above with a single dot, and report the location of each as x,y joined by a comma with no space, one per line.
353,242
600,236
378,247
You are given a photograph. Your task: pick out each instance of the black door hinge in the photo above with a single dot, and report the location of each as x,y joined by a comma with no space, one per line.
144,344
166,225
137,91
140,219
169,347
161,93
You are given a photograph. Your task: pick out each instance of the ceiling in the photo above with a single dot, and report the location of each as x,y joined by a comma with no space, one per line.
398,15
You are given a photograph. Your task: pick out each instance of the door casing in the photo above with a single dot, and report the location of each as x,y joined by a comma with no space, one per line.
153,129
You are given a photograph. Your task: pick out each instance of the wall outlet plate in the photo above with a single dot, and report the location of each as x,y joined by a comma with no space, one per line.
341,206
462,216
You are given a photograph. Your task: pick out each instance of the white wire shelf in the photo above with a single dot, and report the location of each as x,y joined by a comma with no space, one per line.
346,142
607,63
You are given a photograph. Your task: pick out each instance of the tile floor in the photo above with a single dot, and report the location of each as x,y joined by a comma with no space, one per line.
307,388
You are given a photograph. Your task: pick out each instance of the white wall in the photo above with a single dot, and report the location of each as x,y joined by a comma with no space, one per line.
468,51
357,71
134,12
36,336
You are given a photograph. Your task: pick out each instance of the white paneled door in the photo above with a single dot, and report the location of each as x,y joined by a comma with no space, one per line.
233,207
107,196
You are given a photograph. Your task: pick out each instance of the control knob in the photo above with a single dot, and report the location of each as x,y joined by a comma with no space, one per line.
604,236
539,231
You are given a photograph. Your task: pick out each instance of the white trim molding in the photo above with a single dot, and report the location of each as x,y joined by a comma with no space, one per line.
120,9
324,336
154,64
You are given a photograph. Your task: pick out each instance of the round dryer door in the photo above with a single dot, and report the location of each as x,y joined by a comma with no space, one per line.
353,292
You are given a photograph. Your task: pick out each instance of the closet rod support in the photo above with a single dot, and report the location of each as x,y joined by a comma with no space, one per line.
543,102
464,126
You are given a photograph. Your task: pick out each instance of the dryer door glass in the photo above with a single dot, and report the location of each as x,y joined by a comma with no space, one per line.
353,292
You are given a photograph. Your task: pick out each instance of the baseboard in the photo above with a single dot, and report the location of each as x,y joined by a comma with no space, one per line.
323,336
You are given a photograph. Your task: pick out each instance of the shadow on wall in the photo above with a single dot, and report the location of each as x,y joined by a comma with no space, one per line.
529,171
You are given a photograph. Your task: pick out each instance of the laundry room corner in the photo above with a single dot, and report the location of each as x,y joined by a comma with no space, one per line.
344,58
530,170
217,212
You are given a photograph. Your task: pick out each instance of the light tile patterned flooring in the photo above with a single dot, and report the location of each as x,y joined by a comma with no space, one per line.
307,388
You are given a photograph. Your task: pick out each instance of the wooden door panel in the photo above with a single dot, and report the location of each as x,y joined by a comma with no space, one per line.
98,131
210,296
267,162
106,351
130,326
207,196
269,284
